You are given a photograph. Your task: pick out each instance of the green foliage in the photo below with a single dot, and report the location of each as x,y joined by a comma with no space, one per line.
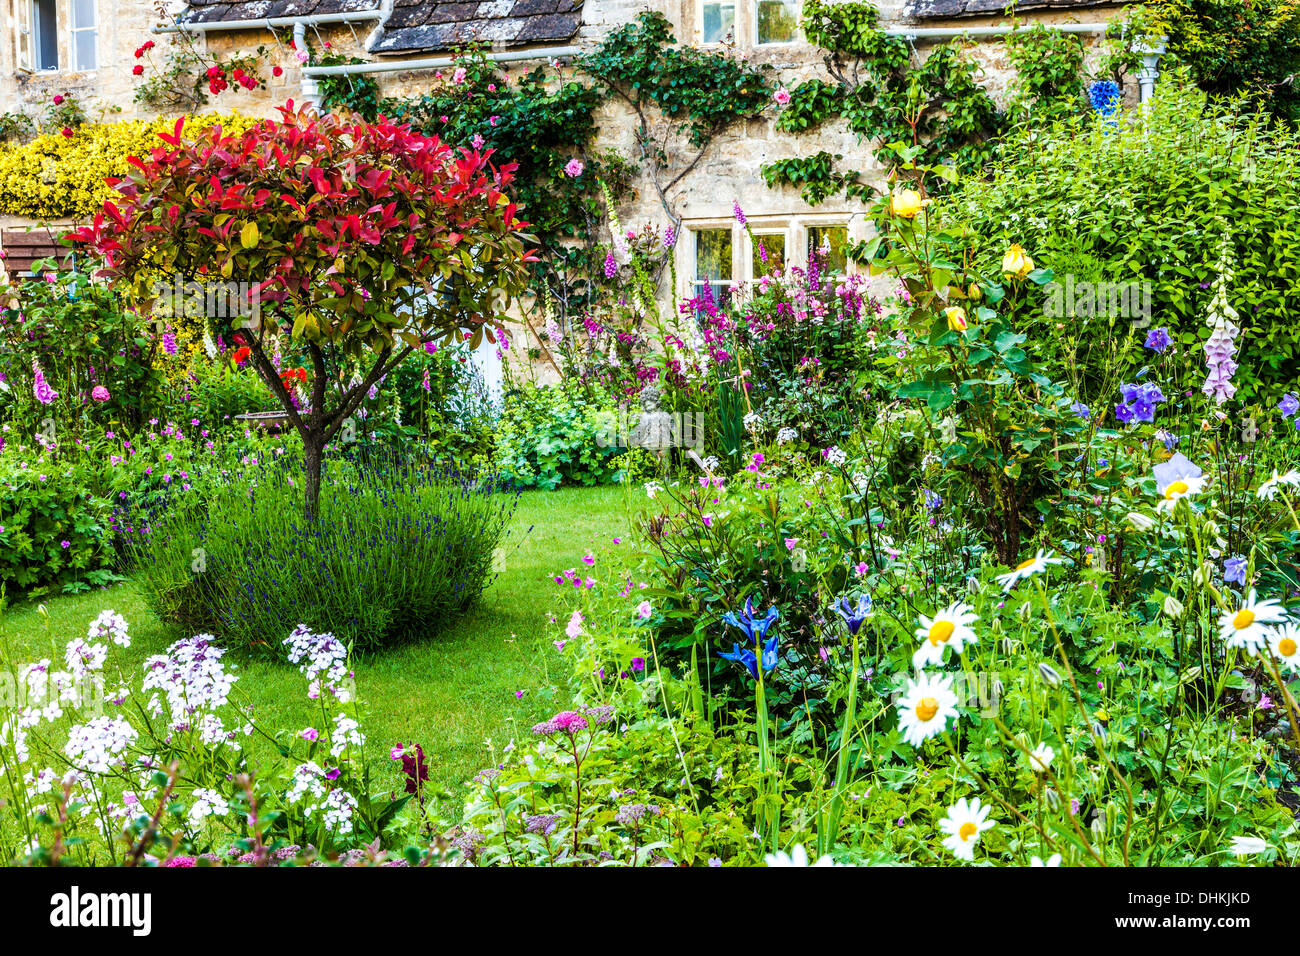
703,90
937,104
82,337
400,548
883,97
1174,184
1231,47
550,435
51,526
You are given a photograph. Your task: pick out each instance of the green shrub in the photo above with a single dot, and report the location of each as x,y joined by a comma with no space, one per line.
1150,199
50,527
399,548
548,436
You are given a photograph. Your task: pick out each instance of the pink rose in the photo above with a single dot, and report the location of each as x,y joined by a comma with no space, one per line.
99,393
782,96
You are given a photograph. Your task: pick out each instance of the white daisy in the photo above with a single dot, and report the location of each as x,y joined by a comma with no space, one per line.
1176,479
1041,757
797,856
1247,846
1284,642
925,708
1245,627
1053,860
1268,489
948,628
1027,569
964,824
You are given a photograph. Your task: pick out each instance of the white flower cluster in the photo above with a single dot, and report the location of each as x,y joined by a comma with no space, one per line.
786,435
83,658
207,803
835,456
99,746
753,422
347,733
109,626
192,678
320,656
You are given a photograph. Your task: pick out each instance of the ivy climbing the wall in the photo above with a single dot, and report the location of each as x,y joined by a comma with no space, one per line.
885,93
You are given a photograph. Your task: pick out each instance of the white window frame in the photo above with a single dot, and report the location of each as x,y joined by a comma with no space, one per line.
24,58
73,30
793,227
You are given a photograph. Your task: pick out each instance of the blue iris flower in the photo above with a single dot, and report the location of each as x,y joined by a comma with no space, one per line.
749,660
853,616
755,628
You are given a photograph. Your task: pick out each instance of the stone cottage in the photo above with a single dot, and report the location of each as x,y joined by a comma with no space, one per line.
86,46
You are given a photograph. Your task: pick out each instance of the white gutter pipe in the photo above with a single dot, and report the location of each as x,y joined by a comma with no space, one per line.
266,23
438,62
929,33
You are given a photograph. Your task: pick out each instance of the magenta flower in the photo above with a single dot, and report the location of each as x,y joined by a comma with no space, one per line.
99,393
573,168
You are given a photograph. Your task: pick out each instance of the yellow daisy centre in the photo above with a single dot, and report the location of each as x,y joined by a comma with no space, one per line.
1024,564
1243,619
940,631
967,831
1286,647
1177,488
927,708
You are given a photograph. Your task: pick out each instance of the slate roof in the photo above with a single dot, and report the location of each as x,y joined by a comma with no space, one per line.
210,11
417,25
931,9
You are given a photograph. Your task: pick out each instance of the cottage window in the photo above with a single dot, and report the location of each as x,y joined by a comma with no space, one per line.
45,34
718,22
830,245
713,263
771,245
777,21
84,29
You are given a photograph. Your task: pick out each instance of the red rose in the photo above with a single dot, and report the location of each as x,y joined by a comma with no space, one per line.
67,132
58,100
276,71
241,355
148,45
137,70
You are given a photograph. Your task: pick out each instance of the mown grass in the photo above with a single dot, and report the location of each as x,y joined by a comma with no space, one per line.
450,694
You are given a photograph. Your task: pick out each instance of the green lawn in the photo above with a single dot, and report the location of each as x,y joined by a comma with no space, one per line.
449,694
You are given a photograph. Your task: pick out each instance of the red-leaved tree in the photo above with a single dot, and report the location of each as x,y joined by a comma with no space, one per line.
359,241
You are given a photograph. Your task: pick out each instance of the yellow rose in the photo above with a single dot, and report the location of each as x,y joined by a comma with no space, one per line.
906,203
1016,263
956,318
975,292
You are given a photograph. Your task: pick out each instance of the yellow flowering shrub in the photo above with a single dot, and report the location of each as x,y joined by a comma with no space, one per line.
56,176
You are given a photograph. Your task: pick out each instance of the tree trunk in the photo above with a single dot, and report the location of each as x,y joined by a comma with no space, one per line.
313,445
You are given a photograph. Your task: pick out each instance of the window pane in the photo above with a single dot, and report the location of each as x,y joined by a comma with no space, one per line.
778,20
713,262
83,46
47,35
83,14
773,246
829,244
719,21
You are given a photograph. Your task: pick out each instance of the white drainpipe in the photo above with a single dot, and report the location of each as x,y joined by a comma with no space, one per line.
935,33
267,23
310,88
1151,52
438,62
